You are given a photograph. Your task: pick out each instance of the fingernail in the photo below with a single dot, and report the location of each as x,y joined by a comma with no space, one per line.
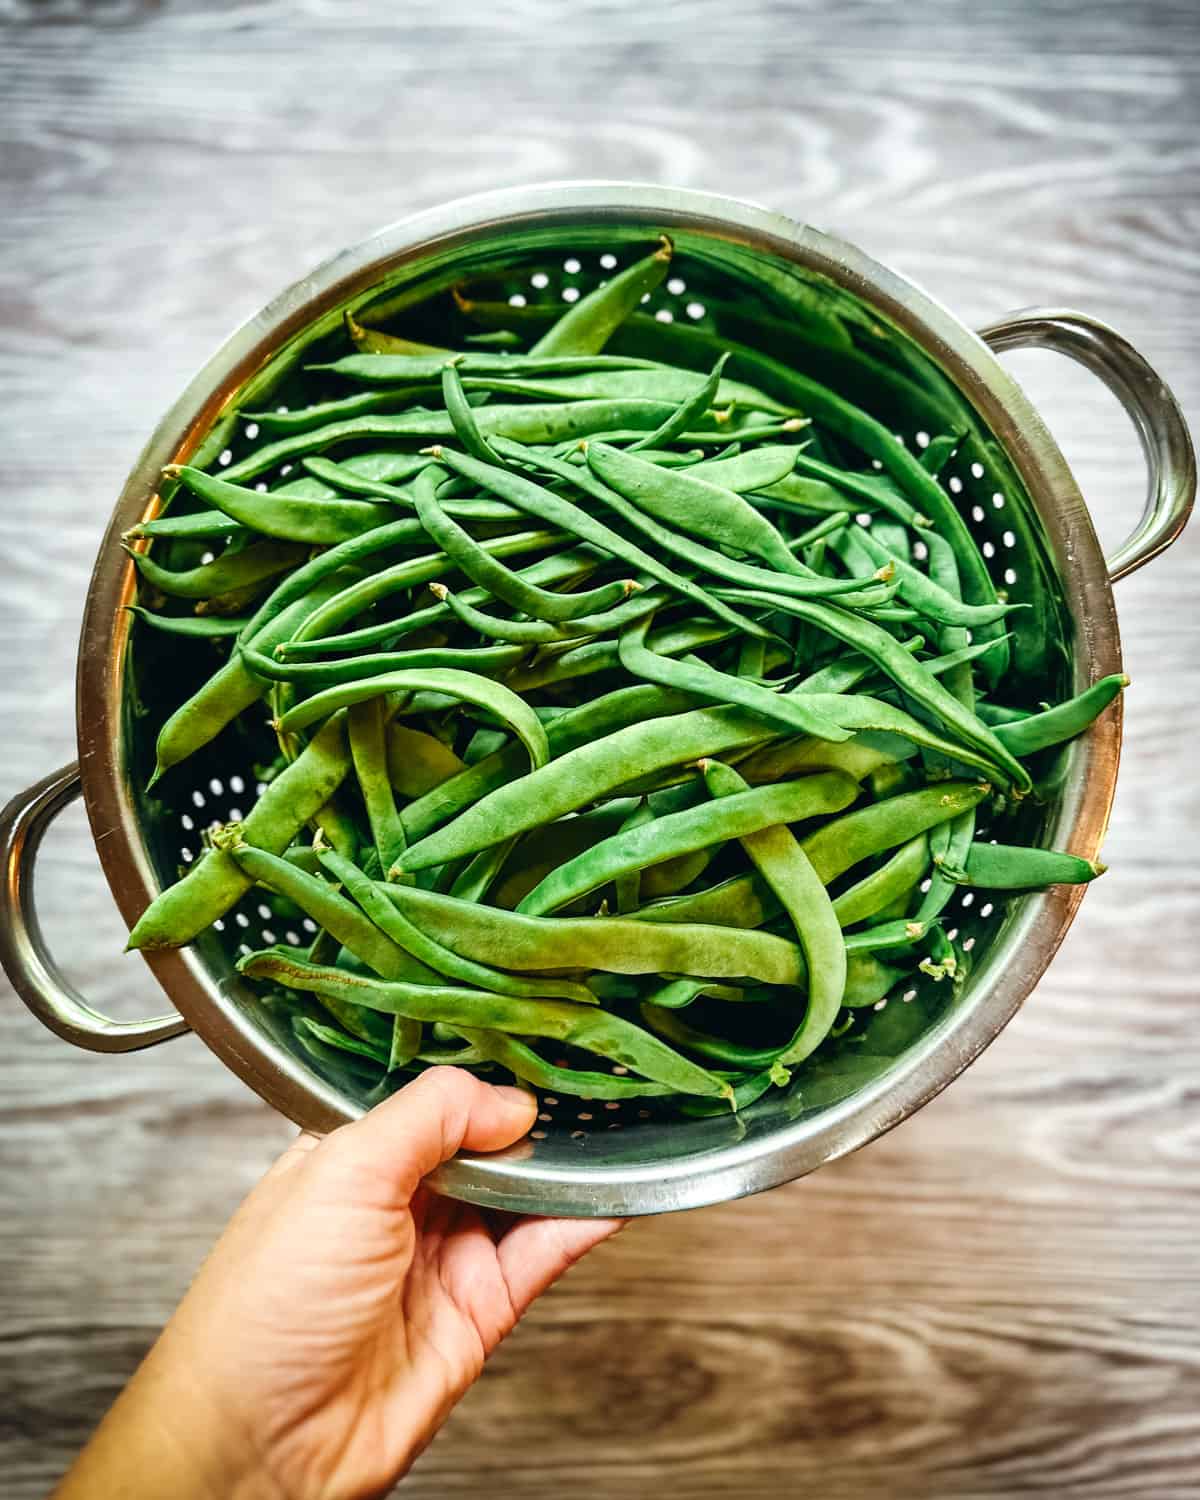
516,1098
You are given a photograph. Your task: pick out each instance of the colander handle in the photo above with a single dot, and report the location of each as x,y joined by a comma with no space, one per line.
23,953
1152,408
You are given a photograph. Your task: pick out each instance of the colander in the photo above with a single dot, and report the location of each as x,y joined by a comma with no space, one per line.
754,276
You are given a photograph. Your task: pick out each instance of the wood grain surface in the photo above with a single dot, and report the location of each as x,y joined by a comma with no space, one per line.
999,1299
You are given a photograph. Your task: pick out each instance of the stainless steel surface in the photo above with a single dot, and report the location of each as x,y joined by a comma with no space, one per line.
651,1166
1166,442
23,952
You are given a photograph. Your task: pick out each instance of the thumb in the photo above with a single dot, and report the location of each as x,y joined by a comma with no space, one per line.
441,1112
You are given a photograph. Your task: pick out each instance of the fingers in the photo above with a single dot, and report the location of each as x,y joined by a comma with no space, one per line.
443,1111
535,1252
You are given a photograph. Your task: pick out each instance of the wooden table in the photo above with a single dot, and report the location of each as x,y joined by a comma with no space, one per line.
999,1299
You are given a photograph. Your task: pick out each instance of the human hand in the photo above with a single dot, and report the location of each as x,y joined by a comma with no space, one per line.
340,1316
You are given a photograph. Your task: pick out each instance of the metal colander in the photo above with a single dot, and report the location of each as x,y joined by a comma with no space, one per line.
753,278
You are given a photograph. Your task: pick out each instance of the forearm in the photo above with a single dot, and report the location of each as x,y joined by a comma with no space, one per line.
162,1440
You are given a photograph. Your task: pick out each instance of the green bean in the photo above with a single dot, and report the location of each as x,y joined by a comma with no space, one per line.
206,627
557,666
200,525
796,885
690,406
485,570
358,596
372,341
846,841
552,422
467,686
833,849
588,326
924,594
588,723
996,713
535,853
939,451
811,479
440,957
713,1048
682,388
755,469
693,828
525,1064
676,497
583,1026
856,757
327,673
227,693
860,713
896,663
216,881
747,1088
418,762
563,567
331,911
802,495
542,632
896,541
695,554
886,936
1005,867
316,522
322,567
388,466
1064,722
231,570
305,418
356,484
479,874
868,980
677,994
366,724
340,1040
417,370
544,504
461,415
785,709
582,775
949,844
905,869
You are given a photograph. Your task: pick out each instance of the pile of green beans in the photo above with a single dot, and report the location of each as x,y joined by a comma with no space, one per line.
602,688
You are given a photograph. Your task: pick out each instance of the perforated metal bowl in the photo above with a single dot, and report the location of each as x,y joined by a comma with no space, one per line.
750,275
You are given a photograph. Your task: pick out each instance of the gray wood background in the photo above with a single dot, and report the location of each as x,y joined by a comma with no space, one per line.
1001,1298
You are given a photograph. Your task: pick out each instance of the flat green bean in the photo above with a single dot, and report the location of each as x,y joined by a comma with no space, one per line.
586,327
582,775
315,522
583,1026
231,570
467,686
1006,867
693,828
796,885
613,945
1064,722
